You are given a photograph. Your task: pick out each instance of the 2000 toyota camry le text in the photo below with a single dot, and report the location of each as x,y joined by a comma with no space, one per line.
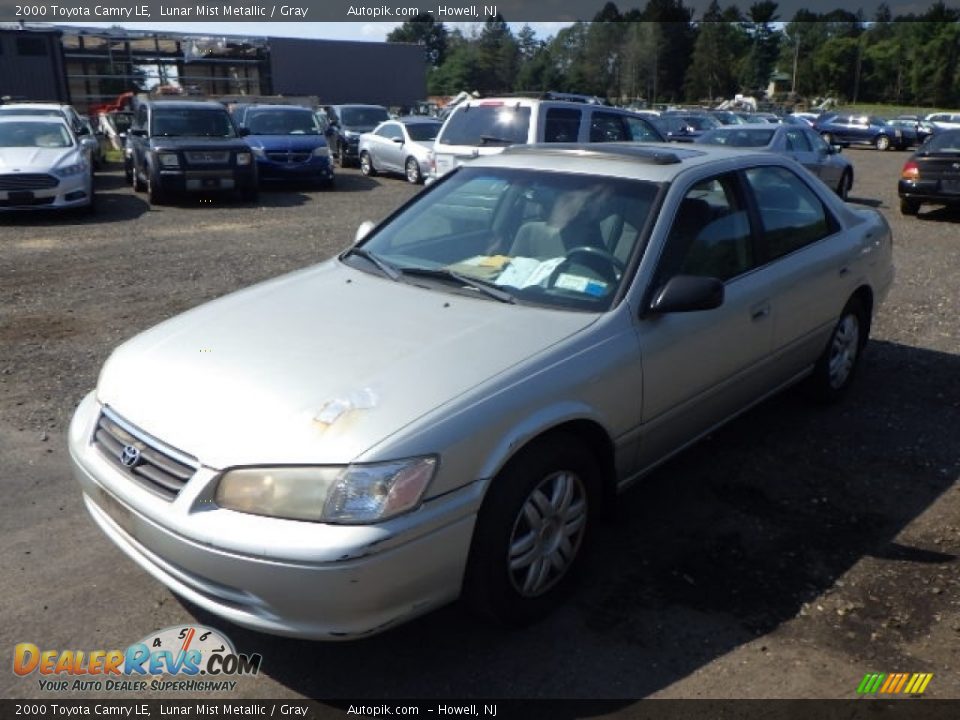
444,408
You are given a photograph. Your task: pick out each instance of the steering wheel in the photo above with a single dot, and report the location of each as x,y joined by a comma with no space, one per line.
607,265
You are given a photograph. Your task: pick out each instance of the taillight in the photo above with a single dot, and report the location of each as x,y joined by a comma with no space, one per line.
911,171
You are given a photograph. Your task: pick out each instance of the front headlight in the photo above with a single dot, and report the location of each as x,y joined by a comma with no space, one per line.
244,158
322,151
71,170
169,159
258,151
352,494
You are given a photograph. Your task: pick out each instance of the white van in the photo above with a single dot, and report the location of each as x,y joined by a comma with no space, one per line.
487,126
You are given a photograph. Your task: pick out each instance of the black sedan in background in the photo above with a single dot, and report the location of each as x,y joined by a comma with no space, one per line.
932,173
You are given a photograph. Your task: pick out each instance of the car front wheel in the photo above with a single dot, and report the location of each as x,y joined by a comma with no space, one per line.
413,173
366,165
882,142
846,182
530,531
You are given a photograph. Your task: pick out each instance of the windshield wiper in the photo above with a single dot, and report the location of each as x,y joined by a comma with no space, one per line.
486,288
486,139
386,268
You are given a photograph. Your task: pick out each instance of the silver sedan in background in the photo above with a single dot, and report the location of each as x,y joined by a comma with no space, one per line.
399,146
800,143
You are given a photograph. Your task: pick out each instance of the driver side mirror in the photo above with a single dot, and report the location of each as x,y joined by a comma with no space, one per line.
365,227
688,293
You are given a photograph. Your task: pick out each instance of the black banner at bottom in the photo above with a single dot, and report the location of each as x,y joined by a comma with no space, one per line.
867,709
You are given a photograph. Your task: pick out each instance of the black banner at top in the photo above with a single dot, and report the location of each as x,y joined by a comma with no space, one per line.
389,11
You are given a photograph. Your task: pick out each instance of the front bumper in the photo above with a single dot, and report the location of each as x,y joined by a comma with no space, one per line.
211,179
70,192
319,168
284,577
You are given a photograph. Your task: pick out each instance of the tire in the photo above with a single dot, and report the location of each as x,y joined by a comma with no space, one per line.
909,207
846,182
366,165
881,142
837,365
341,155
138,184
516,572
154,194
412,170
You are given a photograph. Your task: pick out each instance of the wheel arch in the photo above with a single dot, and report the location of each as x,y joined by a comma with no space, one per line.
864,294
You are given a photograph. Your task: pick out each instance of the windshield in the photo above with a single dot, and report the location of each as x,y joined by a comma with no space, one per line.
700,122
943,142
28,111
362,117
423,131
193,122
557,239
738,138
35,134
478,125
282,122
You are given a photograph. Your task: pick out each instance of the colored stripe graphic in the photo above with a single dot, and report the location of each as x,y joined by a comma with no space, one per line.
894,683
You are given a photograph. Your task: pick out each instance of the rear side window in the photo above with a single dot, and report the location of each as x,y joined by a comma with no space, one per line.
608,127
797,141
561,125
495,125
790,212
642,131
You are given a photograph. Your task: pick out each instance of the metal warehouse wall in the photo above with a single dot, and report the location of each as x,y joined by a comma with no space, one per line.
31,66
349,72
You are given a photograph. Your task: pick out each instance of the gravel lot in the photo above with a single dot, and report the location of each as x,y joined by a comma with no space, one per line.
785,556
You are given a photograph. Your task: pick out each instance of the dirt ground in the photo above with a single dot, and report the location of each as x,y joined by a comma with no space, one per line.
786,556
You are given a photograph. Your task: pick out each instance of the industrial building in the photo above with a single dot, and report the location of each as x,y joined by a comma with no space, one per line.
90,66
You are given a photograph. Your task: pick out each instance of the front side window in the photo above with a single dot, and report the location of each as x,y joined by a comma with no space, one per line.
642,131
608,127
797,141
710,236
791,213
561,240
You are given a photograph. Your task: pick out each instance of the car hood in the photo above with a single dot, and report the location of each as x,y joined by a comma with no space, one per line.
198,142
281,143
318,366
35,158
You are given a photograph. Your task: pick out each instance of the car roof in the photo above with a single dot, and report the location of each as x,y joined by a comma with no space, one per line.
656,162
35,105
183,104
414,119
33,118
276,106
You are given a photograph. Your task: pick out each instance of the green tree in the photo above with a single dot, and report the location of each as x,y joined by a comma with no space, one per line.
423,30
764,46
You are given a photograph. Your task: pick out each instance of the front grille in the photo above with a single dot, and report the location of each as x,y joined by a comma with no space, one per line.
289,157
28,181
29,202
160,469
207,158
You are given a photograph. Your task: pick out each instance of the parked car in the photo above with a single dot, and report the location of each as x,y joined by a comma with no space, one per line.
188,146
674,128
944,120
400,146
288,144
802,144
82,132
915,129
763,117
96,151
807,117
345,125
856,129
727,117
42,165
485,127
932,174
696,123
510,349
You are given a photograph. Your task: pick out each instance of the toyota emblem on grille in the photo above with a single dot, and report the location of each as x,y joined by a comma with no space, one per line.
129,456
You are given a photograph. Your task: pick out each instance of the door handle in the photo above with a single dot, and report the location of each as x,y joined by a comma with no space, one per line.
760,311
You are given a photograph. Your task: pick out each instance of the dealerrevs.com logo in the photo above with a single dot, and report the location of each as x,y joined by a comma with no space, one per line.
188,658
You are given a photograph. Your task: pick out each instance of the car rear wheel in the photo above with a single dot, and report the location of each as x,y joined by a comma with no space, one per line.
838,363
909,207
366,165
531,530
342,155
882,142
138,184
413,173
846,182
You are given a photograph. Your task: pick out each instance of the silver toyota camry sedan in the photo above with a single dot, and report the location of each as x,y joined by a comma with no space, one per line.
444,408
